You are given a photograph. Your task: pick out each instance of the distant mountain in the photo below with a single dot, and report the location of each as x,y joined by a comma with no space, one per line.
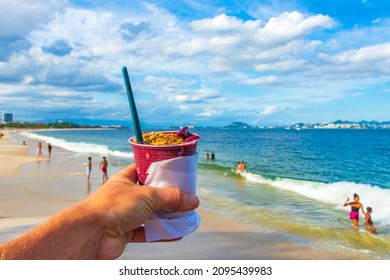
364,122
340,122
237,125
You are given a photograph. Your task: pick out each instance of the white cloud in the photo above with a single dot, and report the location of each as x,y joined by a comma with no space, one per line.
261,81
224,23
269,109
167,84
269,8
27,79
210,113
366,54
184,98
90,33
186,64
96,35
291,25
273,109
20,16
184,107
370,61
192,47
286,65
229,42
199,96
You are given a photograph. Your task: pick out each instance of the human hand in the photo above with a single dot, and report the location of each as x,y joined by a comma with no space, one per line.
100,226
122,207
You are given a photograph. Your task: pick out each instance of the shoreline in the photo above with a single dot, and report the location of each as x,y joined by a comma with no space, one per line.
217,238
19,155
62,128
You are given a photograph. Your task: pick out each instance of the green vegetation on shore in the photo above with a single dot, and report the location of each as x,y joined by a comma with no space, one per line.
62,125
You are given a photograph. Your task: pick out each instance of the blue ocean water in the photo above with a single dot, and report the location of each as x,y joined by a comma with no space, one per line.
296,182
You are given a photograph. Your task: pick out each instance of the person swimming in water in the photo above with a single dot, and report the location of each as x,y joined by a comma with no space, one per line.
240,167
355,206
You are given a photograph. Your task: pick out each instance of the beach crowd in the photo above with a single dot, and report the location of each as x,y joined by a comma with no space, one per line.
103,166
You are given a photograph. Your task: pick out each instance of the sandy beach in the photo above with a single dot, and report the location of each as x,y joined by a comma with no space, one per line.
18,153
31,190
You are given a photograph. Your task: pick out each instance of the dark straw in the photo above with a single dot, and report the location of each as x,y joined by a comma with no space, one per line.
133,109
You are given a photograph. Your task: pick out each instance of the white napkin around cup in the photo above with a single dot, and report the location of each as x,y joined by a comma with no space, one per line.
178,172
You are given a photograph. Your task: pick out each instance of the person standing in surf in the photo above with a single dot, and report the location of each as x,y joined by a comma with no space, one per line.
89,168
39,150
355,206
103,168
49,149
368,223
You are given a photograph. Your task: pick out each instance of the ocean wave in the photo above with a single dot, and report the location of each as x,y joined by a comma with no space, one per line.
333,193
78,147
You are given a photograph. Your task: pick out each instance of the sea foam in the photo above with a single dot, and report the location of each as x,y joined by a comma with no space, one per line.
333,193
78,147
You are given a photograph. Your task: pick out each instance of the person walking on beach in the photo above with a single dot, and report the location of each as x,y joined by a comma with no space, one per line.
39,150
89,167
355,206
368,223
49,148
103,168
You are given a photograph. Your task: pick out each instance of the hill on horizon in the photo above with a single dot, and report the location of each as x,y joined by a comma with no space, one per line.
237,125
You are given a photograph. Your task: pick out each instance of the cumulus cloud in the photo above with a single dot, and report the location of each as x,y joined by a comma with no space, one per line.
273,109
185,98
199,96
68,52
248,41
184,107
19,17
167,84
269,109
363,55
261,81
290,25
224,23
287,65
210,113
371,61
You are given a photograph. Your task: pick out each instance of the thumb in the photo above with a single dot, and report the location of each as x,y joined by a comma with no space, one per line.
175,199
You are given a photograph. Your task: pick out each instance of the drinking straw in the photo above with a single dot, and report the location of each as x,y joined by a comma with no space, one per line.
133,109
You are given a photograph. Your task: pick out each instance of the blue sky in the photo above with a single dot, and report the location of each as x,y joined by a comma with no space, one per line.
205,62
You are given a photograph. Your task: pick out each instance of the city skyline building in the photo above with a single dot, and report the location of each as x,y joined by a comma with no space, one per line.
8,118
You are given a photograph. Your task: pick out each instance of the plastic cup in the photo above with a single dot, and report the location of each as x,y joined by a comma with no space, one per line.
145,154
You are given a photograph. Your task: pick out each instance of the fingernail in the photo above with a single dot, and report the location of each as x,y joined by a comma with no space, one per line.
194,200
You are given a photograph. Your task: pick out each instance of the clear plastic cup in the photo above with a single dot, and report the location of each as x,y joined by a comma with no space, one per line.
145,154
